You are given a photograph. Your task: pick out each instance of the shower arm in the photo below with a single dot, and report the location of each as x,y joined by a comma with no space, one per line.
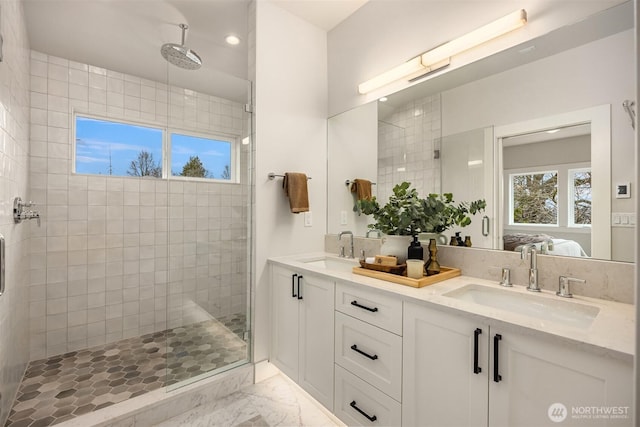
628,107
184,27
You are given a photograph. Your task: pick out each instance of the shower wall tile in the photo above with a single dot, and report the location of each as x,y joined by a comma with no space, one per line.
121,256
14,181
407,138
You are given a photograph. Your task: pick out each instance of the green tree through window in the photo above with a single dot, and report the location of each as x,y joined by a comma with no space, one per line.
535,198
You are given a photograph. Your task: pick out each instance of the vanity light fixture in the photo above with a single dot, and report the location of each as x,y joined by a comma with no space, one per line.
494,29
439,57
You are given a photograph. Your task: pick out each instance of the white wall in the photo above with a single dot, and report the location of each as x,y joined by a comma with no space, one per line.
384,34
291,129
14,181
528,92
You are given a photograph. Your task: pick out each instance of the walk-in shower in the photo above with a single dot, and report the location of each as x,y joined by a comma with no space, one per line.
139,271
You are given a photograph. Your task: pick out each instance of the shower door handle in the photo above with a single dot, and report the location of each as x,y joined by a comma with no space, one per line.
485,226
2,259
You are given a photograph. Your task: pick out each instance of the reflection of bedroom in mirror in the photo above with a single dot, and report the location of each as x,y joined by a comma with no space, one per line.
553,183
547,191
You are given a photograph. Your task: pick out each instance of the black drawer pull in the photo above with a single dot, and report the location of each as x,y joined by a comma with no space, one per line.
476,369
374,309
299,293
364,414
293,285
357,350
496,340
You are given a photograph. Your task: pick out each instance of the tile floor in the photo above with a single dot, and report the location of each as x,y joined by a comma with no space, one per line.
62,387
275,401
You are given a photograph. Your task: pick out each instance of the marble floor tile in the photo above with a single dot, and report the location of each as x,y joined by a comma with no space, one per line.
273,402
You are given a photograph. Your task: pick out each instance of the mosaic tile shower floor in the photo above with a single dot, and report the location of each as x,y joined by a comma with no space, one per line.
66,386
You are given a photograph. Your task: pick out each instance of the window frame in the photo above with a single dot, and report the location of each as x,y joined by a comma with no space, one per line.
165,161
564,195
571,200
234,161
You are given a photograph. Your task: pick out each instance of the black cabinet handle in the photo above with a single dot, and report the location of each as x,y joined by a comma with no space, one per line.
299,293
357,350
476,369
496,340
293,285
374,309
364,414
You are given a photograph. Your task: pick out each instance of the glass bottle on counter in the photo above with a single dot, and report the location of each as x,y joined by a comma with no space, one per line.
434,266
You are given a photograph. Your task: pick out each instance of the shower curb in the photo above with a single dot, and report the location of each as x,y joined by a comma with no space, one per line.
160,405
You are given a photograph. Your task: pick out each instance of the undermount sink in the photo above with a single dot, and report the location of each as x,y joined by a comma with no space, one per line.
332,263
564,312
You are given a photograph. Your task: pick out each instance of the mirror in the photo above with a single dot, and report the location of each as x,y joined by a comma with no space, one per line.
448,133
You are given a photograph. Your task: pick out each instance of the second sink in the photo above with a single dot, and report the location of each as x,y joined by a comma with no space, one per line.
535,306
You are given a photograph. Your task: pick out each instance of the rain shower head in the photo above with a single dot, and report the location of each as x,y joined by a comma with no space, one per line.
180,55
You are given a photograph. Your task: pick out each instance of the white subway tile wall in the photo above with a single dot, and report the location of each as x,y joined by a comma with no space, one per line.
14,181
117,257
407,139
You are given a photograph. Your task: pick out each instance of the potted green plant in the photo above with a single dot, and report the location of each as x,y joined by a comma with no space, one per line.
406,214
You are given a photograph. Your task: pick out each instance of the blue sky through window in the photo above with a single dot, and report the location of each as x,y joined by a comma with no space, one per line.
214,154
107,148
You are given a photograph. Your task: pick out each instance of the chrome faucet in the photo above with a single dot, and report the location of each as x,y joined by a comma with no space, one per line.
533,267
547,245
563,286
378,233
342,248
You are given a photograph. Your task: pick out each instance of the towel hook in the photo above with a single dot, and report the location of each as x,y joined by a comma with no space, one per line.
628,105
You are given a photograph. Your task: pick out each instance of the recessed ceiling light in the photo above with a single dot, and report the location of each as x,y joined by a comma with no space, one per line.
383,99
553,131
232,40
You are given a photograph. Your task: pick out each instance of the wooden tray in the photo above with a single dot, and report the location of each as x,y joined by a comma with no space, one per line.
445,273
392,269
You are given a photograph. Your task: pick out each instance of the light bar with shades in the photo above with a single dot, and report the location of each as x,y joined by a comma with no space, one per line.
439,57
476,37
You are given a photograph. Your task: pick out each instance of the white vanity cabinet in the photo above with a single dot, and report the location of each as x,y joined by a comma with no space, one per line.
460,372
368,357
302,318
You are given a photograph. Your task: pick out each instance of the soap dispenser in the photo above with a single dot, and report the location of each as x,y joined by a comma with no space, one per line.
415,250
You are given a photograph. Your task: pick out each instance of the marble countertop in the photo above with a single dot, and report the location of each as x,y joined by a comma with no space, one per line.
612,331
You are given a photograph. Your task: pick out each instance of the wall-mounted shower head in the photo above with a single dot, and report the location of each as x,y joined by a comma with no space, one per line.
180,55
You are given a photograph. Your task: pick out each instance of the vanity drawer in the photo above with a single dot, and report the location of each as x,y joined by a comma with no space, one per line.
370,306
371,353
353,394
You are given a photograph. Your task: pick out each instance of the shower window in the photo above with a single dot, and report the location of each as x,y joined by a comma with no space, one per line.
105,147
109,147
199,156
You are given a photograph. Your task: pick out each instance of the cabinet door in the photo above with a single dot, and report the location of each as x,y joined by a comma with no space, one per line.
316,338
440,387
536,373
284,321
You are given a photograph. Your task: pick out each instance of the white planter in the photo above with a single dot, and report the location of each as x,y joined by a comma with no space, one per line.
424,238
396,246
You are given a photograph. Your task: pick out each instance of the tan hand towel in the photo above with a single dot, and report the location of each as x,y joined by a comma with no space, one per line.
362,188
295,187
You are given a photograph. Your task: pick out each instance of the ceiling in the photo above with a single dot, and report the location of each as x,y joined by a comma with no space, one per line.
126,35
324,14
